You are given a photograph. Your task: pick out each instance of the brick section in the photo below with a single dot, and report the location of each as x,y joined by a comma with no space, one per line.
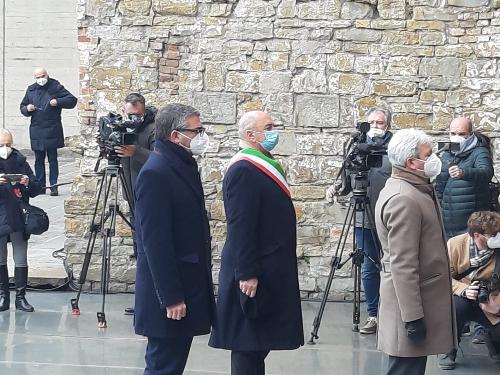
169,68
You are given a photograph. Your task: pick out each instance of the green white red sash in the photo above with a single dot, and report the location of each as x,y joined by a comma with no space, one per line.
267,165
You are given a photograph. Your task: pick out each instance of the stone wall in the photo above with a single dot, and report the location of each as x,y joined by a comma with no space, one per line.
316,66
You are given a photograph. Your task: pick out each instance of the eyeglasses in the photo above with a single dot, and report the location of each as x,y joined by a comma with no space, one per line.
201,131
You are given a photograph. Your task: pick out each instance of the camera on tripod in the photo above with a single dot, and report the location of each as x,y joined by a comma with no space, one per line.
115,131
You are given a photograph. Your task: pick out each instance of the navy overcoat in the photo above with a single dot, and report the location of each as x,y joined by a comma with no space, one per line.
46,131
173,246
261,242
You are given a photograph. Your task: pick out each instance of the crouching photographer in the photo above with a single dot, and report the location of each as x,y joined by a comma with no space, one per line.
17,182
368,165
475,269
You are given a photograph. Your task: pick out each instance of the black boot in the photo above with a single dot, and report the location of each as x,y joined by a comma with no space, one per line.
21,277
4,288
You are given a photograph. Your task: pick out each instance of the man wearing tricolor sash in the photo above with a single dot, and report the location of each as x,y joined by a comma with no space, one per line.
258,308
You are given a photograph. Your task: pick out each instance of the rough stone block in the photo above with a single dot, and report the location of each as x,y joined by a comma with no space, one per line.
309,81
368,65
287,144
488,49
101,8
242,82
481,68
403,66
412,120
321,111
352,10
392,9
110,78
134,7
447,66
431,96
343,62
394,88
271,82
249,30
463,98
217,108
432,38
287,9
425,25
347,83
429,14
359,35
214,76
460,50
253,8
178,7
469,3
319,9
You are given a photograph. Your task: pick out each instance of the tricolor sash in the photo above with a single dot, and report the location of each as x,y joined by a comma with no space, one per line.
267,165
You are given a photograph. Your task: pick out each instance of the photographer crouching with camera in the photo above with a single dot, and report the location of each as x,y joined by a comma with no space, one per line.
378,138
475,269
135,155
17,182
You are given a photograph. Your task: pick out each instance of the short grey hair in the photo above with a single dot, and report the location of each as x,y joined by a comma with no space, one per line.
247,121
4,131
405,144
173,117
387,114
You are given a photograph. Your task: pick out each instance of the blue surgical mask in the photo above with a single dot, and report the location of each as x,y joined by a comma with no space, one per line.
271,140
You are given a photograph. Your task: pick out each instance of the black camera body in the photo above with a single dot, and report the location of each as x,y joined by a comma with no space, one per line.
483,295
114,131
364,156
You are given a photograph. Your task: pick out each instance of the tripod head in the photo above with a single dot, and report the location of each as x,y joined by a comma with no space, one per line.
360,184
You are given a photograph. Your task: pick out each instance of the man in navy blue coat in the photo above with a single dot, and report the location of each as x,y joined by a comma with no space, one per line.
43,102
258,307
174,290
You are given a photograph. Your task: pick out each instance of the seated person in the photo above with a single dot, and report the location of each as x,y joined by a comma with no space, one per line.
475,268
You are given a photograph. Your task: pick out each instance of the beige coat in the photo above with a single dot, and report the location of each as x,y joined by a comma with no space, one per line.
458,250
415,277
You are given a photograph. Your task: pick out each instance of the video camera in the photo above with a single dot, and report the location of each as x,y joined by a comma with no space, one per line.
361,156
114,131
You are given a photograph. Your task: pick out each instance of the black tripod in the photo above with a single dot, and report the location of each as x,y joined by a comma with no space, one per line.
105,226
359,202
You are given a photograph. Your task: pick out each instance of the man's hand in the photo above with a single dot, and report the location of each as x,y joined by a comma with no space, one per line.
455,172
490,307
30,107
126,151
416,330
25,181
3,180
53,102
472,291
249,287
177,311
330,193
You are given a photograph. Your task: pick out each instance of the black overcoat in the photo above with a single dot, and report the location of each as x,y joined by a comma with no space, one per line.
261,242
11,217
173,246
46,131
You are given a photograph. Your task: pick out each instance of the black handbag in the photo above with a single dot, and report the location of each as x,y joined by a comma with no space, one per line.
36,220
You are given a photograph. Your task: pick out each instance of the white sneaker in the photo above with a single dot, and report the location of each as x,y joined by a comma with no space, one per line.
370,326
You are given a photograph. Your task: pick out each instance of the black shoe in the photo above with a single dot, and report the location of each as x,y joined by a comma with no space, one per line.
21,278
479,335
129,311
447,361
54,192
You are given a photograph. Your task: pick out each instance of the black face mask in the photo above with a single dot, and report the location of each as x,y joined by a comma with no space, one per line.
136,118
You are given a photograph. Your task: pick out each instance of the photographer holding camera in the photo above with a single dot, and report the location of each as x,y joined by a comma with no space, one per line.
134,156
475,269
378,136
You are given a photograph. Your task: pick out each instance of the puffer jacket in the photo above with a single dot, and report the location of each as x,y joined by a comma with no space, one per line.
460,197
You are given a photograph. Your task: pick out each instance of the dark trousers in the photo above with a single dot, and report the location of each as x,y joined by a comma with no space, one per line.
406,365
40,166
370,272
469,311
248,363
167,356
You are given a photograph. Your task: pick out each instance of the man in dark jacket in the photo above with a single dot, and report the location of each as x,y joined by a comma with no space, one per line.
365,232
43,102
134,156
174,290
463,185
258,307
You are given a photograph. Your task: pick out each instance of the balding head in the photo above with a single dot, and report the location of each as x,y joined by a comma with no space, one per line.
461,126
40,72
252,126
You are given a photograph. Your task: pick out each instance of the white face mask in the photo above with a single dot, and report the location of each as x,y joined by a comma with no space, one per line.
199,144
5,152
457,139
42,81
432,166
376,132
494,242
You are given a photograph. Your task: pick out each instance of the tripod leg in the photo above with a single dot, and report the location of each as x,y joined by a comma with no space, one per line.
356,311
334,265
94,228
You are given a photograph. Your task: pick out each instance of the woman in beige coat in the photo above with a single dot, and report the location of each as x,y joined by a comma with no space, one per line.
416,309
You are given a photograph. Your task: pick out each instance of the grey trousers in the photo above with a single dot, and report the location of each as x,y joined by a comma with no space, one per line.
406,365
19,249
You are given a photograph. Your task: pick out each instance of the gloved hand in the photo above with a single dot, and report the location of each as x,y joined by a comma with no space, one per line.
416,330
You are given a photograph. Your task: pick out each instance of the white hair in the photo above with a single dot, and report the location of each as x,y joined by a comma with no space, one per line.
4,131
246,122
405,144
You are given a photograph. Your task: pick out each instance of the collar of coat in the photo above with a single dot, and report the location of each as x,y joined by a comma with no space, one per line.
419,182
